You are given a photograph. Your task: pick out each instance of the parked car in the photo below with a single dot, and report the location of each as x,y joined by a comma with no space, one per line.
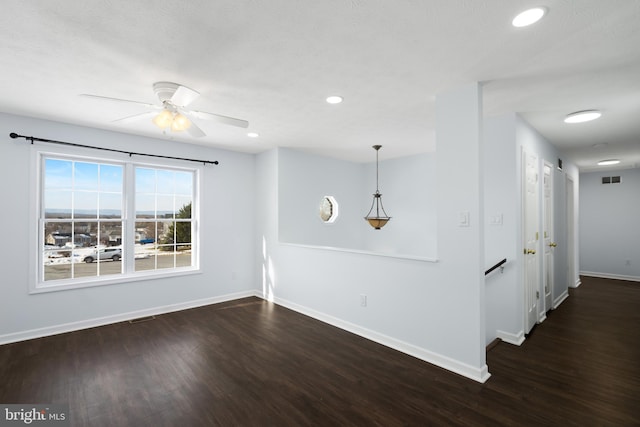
114,254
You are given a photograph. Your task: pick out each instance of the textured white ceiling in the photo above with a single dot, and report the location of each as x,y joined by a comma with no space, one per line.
274,62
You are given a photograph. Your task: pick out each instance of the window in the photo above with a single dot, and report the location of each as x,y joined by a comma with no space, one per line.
106,221
163,201
328,209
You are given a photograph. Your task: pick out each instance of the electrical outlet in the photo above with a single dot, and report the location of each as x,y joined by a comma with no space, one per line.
363,300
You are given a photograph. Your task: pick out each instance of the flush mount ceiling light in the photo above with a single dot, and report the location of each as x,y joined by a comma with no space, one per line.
582,116
253,135
334,99
608,162
529,17
377,221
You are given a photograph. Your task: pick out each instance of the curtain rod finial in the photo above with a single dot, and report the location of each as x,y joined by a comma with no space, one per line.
13,135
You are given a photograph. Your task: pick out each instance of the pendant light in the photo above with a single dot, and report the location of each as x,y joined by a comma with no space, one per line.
377,221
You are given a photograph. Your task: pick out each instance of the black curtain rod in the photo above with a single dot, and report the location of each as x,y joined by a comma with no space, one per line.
130,153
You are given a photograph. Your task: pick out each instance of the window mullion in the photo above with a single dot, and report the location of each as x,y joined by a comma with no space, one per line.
129,213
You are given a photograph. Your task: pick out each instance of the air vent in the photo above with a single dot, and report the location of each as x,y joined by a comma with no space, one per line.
141,319
611,180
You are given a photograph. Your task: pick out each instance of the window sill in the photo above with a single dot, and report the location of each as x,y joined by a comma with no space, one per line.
45,288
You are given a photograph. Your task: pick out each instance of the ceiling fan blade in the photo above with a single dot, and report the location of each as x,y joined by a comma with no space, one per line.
107,98
136,117
195,131
220,119
184,96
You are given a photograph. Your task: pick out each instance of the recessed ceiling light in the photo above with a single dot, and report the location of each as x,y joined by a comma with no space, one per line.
608,162
529,17
253,135
582,116
334,99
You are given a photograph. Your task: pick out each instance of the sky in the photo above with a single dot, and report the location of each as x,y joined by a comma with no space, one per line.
89,187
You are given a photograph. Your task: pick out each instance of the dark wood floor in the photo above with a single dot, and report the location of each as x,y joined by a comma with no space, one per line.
250,363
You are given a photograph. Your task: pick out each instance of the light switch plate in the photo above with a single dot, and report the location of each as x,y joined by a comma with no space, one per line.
463,219
496,219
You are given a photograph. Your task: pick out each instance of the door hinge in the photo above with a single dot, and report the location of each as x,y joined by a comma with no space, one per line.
537,294
546,289
537,235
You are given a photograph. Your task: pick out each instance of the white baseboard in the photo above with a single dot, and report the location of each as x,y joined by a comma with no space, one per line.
560,299
515,339
575,284
610,276
121,317
477,374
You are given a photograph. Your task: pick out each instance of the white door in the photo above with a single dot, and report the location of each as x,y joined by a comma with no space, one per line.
547,233
530,238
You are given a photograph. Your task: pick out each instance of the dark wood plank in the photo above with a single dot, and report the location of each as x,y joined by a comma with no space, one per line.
251,363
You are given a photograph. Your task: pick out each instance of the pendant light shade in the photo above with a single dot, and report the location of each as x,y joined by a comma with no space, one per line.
180,123
164,119
377,217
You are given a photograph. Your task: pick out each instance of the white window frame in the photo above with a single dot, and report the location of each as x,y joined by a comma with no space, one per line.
36,237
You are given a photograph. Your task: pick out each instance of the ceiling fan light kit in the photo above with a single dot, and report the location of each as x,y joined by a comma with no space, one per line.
180,123
164,119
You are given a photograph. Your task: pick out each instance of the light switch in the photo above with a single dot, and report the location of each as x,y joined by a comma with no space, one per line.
463,219
496,219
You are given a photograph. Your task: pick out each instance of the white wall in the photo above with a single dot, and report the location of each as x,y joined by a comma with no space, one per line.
505,137
409,190
434,311
407,185
430,310
609,230
227,231
503,297
304,180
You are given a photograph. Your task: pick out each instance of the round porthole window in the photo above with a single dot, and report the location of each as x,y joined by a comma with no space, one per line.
328,209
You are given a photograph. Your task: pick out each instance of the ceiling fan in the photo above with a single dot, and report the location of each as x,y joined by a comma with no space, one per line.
174,99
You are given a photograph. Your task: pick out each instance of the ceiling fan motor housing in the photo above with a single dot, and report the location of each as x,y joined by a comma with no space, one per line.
165,90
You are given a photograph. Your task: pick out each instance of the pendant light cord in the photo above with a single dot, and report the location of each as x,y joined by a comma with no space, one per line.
377,148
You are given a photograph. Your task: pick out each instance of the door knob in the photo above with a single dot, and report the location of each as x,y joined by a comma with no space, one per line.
553,244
